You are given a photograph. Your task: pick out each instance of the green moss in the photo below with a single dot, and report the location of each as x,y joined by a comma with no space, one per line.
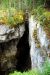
45,70
31,72
43,16
11,16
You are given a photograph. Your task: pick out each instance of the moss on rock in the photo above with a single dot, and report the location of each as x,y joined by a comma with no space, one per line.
11,16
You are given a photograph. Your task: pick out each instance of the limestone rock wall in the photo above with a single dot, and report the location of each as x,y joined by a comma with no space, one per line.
9,38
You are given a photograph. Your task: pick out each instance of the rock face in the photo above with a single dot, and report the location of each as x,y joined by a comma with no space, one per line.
8,55
39,44
14,49
7,33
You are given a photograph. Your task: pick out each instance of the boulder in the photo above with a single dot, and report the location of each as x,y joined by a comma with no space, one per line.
9,38
7,33
14,49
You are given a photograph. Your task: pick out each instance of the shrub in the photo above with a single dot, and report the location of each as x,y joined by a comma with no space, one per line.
46,68
11,16
31,72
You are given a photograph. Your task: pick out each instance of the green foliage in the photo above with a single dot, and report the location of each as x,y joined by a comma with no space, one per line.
11,16
46,68
42,15
11,20
9,10
47,15
39,2
18,4
21,4
32,72
15,5
39,14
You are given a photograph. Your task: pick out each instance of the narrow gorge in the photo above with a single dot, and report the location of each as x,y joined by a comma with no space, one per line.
24,47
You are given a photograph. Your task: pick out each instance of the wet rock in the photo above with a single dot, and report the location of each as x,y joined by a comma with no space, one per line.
3,29
8,55
47,30
9,38
36,39
14,49
37,45
48,53
49,46
7,33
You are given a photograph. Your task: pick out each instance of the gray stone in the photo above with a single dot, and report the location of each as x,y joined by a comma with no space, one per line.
7,33
3,29
9,38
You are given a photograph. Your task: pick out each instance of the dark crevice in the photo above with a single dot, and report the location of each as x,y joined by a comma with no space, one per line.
22,53
24,62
